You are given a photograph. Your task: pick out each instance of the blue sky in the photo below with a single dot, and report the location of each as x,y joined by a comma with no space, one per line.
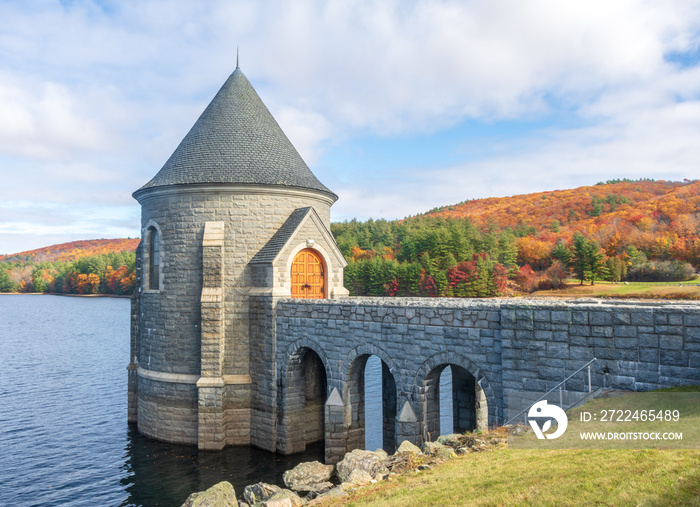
397,106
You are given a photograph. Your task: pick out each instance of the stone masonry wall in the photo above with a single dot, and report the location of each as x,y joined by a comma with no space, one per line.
411,336
507,345
169,327
644,346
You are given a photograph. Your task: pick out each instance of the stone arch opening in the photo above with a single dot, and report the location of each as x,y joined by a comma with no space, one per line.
302,394
308,276
468,400
371,391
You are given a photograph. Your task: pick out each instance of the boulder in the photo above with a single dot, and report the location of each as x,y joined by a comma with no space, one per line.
259,492
432,448
219,495
358,478
284,498
407,446
318,487
453,439
382,454
305,476
446,452
366,461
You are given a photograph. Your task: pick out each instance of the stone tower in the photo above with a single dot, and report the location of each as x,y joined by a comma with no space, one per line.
235,216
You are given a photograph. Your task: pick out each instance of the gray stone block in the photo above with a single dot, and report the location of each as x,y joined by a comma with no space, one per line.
605,331
557,350
561,317
624,331
691,320
579,330
620,318
650,355
625,343
672,358
542,316
678,329
671,342
600,318
641,318
579,318
581,353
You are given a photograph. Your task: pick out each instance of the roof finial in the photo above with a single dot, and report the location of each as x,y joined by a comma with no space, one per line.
237,57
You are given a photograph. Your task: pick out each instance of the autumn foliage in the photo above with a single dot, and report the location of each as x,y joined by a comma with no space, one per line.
80,267
660,218
67,252
635,230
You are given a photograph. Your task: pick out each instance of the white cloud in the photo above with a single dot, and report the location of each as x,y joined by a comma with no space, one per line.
96,95
45,122
658,143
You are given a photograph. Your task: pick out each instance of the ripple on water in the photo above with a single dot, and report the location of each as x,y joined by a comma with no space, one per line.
63,405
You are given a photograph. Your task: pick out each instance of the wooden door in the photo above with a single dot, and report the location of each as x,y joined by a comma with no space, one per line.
308,275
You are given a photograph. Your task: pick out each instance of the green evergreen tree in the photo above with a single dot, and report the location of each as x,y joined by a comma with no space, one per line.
441,282
597,267
481,283
6,284
579,257
561,253
414,278
508,247
448,262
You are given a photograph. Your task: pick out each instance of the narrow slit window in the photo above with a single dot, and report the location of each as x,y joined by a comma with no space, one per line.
153,259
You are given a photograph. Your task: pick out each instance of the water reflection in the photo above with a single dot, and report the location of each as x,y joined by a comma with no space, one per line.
158,473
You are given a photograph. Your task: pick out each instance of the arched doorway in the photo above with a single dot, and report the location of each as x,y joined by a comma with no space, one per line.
372,394
302,395
468,401
308,275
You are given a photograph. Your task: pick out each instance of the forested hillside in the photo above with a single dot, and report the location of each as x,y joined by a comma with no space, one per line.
660,218
100,266
615,230
66,252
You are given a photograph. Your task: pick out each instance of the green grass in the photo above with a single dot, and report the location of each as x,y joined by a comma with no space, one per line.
554,477
641,290
506,476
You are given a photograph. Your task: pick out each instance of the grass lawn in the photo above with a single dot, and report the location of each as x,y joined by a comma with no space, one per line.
634,290
554,477
505,476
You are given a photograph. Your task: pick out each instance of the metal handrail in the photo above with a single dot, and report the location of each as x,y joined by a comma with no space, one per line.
556,387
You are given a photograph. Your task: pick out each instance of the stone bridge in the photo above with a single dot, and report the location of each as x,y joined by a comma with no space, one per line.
307,372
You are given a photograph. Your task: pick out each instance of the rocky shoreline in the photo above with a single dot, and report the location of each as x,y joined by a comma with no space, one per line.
312,483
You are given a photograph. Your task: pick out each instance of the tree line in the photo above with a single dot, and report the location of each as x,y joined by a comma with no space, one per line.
451,257
110,273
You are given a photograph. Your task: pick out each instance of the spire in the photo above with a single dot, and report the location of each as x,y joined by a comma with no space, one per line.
237,66
236,140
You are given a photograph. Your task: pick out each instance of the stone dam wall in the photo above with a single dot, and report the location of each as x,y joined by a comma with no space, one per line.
507,345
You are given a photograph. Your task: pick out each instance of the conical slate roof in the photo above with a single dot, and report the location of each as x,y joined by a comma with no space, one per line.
236,140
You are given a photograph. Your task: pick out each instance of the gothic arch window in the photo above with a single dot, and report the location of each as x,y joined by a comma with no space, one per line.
153,258
308,275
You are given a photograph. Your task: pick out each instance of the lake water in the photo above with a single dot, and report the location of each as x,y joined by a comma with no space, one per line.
64,437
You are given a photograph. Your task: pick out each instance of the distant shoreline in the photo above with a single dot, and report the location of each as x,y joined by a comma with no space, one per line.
65,295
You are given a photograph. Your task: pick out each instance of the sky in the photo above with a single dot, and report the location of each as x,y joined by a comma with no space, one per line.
396,106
